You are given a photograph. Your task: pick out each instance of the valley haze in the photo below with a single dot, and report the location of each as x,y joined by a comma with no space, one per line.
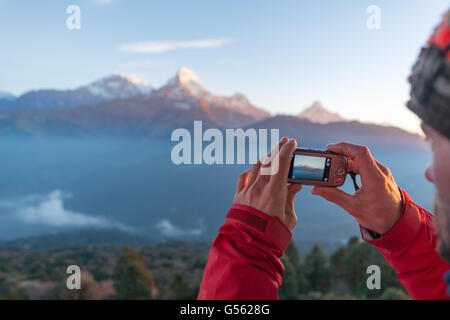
99,156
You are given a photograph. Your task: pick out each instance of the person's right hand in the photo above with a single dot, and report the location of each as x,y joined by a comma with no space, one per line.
377,204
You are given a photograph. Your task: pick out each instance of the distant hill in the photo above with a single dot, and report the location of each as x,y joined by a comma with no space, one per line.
76,238
313,134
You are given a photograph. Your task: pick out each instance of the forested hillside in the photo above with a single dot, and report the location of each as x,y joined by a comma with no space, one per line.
173,270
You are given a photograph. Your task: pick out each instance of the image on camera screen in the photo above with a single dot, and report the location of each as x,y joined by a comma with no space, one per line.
309,168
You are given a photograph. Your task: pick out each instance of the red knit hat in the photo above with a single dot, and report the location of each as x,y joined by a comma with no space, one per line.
430,81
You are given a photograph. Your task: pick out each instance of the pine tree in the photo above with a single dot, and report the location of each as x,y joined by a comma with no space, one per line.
289,290
394,294
90,289
337,264
317,274
180,289
133,281
293,282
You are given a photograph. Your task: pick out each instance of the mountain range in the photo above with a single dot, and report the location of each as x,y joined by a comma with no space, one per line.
113,179
125,105
112,87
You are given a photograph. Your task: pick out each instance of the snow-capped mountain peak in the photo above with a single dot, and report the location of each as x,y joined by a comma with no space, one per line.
186,91
317,113
133,79
185,76
185,82
119,86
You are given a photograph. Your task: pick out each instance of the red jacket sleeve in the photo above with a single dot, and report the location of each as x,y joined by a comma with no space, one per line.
243,262
410,247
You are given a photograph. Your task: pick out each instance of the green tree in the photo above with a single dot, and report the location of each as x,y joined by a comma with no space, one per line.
359,258
10,291
394,294
337,264
315,268
293,281
338,272
133,281
354,272
352,242
289,289
294,255
90,289
181,290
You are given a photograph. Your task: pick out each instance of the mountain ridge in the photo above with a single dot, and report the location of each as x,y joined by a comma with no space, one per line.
124,105
111,87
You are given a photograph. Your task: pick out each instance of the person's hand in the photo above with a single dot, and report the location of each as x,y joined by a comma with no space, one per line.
270,193
377,204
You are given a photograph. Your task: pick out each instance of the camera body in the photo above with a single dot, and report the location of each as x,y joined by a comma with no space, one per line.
318,168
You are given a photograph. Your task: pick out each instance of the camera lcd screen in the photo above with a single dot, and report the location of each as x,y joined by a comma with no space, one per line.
310,168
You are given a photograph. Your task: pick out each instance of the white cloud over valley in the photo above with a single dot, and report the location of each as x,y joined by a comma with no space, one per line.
48,210
170,230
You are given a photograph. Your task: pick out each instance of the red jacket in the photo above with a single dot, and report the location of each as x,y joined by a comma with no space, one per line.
244,262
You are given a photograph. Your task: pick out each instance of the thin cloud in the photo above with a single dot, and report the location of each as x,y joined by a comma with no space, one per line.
49,210
170,230
164,46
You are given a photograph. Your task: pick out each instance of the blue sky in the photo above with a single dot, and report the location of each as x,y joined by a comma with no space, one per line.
282,55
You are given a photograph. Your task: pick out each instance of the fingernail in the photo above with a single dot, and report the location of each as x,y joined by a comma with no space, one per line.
283,139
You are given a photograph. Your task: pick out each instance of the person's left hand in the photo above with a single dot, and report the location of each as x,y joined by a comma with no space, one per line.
270,193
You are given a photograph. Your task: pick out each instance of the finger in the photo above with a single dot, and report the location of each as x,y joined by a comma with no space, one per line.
291,218
270,163
351,166
383,168
242,181
361,156
337,196
262,179
293,189
265,161
281,165
254,172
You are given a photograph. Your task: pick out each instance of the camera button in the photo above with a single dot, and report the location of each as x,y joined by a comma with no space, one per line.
340,171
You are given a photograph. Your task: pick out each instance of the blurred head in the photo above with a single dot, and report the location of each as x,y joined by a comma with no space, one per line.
438,172
430,100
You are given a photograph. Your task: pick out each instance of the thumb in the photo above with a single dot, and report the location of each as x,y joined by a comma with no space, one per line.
290,217
335,195
293,189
